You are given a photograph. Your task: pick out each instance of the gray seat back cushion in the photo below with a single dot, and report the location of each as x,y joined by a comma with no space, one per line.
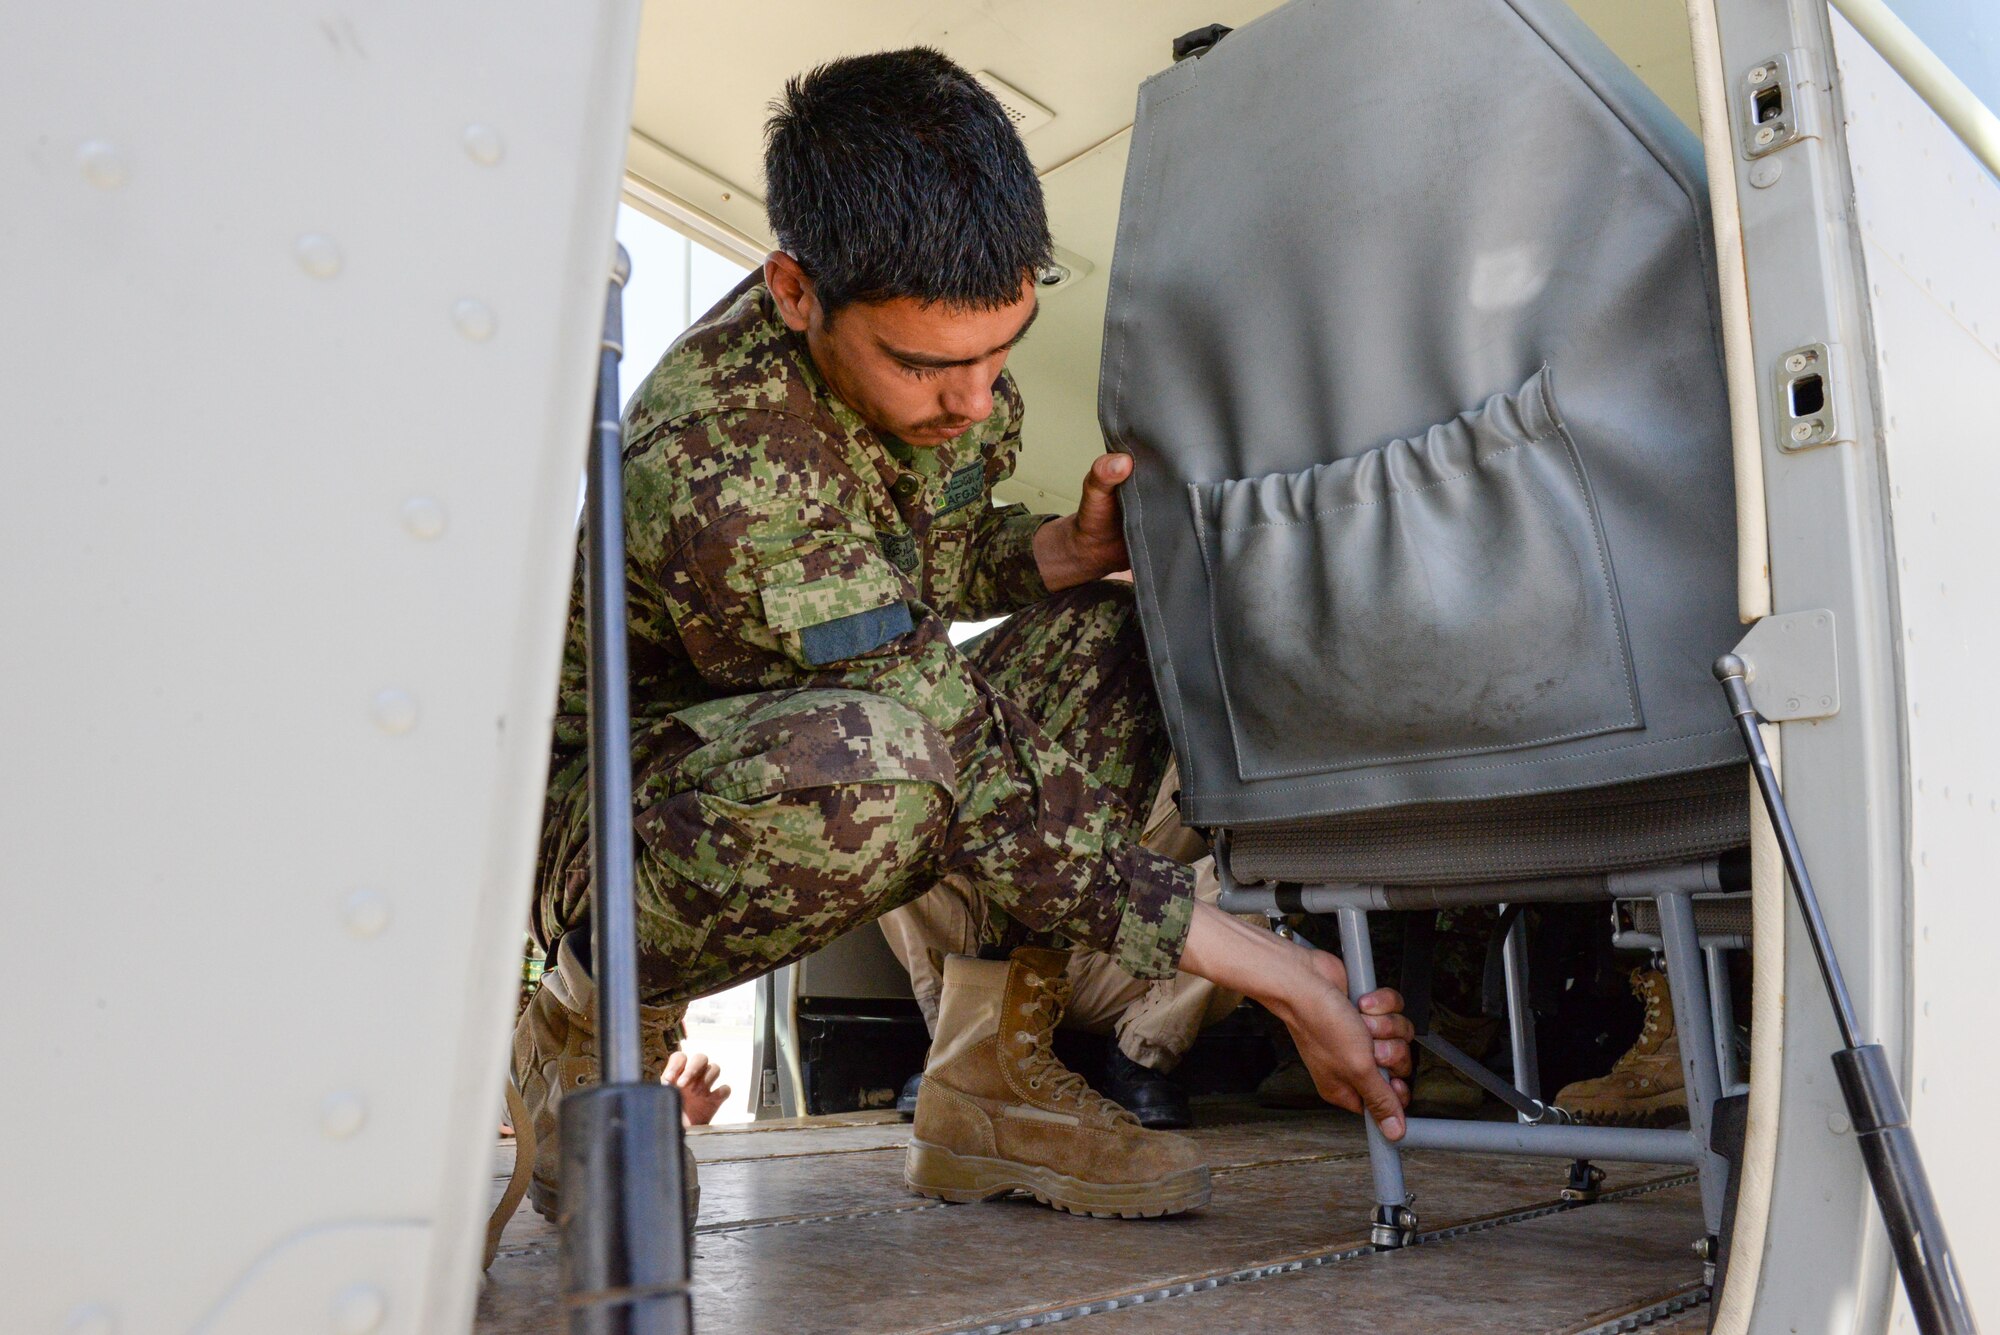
1412,333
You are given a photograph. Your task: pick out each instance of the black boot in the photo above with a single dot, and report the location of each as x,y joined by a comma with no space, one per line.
1156,1101
906,1102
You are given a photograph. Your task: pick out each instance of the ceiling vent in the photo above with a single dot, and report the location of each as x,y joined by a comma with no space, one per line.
1027,114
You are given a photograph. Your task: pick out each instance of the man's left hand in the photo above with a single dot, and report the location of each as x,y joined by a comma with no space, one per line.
694,1075
1090,543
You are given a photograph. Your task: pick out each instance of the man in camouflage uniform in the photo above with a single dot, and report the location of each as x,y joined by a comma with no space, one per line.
808,509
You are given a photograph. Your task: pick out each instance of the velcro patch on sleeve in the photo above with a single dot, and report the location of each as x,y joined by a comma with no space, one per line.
838,616
851,636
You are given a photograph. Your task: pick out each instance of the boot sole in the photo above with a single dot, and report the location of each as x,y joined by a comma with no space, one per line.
936,1172
1651,1112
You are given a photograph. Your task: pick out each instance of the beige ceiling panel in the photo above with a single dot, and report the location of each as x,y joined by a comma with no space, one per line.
666,185
1652,37
708,73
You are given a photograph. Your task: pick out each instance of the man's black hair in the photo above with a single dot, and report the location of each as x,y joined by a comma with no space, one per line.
897,175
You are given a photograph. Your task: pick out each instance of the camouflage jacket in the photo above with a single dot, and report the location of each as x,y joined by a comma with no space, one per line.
774,541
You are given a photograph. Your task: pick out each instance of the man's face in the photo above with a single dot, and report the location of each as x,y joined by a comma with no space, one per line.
923,374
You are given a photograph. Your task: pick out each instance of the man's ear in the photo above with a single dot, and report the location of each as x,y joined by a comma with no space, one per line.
791,290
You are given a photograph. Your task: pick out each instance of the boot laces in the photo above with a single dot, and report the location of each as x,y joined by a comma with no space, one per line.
1651,989
1057,1083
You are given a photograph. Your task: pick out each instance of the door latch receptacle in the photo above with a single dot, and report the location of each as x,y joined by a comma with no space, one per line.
1769,111
1807,388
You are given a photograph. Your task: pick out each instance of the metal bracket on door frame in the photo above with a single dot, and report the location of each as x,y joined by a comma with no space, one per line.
1794,666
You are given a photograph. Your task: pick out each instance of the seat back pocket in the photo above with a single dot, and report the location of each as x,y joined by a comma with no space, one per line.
1446,595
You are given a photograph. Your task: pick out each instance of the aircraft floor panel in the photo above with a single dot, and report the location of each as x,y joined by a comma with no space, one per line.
827,1239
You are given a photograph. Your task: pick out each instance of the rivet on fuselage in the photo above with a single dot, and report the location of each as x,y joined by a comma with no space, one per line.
317,255
483,146
359,1310
423,517
365,914
342,1115
394,712
93,1319
102,164
474,320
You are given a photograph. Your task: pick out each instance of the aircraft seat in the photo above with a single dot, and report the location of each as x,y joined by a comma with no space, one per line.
1413,334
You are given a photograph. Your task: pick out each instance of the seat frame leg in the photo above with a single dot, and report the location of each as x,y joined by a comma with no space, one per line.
1694,1027
1585,1181
1520,1018
1394,1222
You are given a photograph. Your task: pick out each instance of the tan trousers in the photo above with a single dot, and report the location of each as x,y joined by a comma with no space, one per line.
1155,1022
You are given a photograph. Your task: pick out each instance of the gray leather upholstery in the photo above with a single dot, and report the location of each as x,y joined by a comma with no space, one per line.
1412,334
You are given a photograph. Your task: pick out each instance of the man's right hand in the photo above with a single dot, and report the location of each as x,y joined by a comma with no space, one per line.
1346,1048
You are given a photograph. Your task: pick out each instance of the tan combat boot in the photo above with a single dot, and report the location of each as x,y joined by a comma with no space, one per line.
998,1113
555,1052
1647,1086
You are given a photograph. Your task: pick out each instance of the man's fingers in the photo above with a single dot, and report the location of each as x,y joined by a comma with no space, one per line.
676,1063
1374,1096
1101,482
1393,1056
1383,1105
721,1092
1382,1001
1390,1026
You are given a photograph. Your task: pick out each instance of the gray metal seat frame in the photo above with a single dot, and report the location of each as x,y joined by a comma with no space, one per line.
1673,888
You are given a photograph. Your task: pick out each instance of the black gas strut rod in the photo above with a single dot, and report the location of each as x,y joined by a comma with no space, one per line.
624,1238
1881,1123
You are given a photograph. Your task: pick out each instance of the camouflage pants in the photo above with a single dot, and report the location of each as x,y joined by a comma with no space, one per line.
1155,1021
769,824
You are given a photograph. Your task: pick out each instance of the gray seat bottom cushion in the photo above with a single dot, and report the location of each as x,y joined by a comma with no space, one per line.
1674,818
